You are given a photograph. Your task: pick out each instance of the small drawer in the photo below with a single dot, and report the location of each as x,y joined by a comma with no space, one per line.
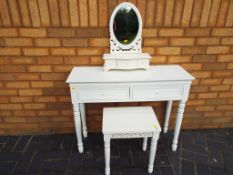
156,92
126,64
90,94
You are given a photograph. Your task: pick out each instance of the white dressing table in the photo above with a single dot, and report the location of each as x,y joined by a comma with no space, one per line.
158,83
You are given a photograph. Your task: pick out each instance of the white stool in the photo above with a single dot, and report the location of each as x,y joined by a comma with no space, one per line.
130,122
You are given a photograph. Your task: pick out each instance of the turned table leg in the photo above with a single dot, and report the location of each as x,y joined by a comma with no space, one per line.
83,116
167,116
107,140
77,122
153,148
179,118
144,145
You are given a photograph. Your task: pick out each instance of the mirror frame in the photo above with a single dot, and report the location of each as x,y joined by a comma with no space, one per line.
135,45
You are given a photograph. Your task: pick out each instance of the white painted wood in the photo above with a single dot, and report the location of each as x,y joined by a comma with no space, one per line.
126,56
167,116
157,92
107,152
133,47
153,149
83,116
130,122
159,73
93,85
130,119
77,122
179,118
144,145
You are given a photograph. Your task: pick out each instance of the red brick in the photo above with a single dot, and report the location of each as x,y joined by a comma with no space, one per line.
168,50
10,106
4,100
10,51
192,66
149,32
7,92
201,74
35,51
48,113
80,60
171,32
41,68
228,81
218,49
222,32
205,108
158,59
45,99
208,95
30,92
41,84
50,60
34,106
14,119
13,68
149,50
32,32
90,51
63,51
204,58
197,31
62,68
8,32
215,101
47,42
62,32
214,66
156,41
99,42
25,113
97,60
208,41
223,73
227,41
182,41
194,50
27,76
20,99
211,81
179,59
17,84
199,88
18,41
220,88
225,58
23,60
54,76
75,42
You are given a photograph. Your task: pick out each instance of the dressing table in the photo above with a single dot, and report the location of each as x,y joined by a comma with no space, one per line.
158,83
126,75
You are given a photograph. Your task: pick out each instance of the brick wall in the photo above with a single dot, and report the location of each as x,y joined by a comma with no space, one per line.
41,40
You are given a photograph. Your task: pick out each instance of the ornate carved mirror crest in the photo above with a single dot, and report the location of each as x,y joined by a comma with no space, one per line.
125,40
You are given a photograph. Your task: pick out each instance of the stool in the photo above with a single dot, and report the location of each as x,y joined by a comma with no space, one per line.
130,122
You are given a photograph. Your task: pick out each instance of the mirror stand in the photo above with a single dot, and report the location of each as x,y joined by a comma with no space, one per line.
125,40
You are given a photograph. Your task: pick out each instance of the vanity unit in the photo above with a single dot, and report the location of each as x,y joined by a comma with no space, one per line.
127,76
158,83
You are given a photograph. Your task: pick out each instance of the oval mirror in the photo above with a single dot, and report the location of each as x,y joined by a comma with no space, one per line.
126,25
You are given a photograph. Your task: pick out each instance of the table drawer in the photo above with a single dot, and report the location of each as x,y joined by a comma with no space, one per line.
157,92
103,93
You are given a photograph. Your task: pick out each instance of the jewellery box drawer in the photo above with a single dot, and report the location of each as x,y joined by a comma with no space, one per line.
103,93
156,92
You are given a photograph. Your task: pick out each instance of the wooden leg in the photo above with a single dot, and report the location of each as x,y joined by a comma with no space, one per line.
107,153
83,116
167,116
77,122
144,146
153,148
179,118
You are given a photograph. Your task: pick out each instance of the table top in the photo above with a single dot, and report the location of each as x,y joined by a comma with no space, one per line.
130,120
154,73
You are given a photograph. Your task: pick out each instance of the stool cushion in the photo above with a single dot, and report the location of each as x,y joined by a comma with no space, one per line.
129,120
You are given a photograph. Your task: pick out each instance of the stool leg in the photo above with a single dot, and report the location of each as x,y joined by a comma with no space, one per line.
144,146
107,153
153,148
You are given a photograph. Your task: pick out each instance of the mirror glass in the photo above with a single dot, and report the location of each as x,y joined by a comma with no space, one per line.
125,25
